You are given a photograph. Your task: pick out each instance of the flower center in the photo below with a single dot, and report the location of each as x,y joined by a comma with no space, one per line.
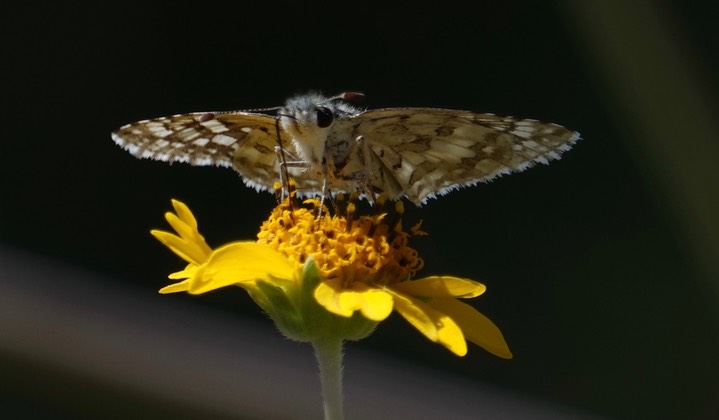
370,249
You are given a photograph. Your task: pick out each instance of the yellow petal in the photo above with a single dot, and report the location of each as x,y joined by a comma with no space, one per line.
188,232
477,328
334,300
187,273
182,286
241,262
441,286
433,324
451,336
415,316
377,304
374,304
184,213
189,252
183,229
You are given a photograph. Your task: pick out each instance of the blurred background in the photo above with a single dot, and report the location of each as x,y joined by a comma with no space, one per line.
602,268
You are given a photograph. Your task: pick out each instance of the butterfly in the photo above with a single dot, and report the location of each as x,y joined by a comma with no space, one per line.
329,145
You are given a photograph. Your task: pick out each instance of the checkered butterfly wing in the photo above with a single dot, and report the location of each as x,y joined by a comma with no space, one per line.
423,152
244,141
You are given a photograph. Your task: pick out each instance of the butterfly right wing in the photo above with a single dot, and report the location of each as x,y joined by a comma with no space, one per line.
424,152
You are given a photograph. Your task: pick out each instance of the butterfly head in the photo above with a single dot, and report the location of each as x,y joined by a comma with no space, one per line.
308,119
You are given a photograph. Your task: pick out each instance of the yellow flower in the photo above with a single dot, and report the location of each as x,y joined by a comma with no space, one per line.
335,275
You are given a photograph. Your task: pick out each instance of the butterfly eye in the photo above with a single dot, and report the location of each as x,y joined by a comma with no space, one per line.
324,117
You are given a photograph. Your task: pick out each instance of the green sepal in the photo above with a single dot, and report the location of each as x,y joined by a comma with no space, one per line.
277,304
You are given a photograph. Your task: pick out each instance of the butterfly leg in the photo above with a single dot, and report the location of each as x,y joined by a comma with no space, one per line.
326,191
325,188
282,156
365,180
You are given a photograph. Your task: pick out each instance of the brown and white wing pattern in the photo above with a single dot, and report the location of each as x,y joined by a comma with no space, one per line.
424,152
242,140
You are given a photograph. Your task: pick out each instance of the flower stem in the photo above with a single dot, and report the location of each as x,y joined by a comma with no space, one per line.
329,357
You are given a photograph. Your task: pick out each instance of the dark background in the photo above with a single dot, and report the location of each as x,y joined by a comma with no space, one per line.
601,267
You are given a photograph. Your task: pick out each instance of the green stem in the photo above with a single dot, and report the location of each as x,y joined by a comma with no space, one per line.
329,357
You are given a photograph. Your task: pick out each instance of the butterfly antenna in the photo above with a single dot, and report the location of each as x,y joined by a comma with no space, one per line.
274,108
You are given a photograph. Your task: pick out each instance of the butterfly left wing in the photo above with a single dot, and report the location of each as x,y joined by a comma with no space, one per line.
422,152
244,141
